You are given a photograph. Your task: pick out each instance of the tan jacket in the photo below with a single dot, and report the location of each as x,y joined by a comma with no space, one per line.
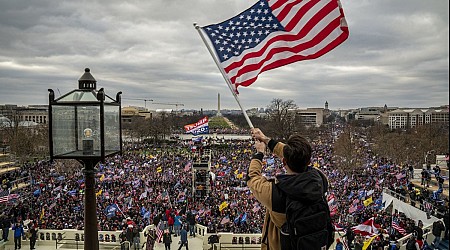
262,190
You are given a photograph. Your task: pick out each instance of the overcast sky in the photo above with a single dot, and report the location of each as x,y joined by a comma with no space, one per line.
396,54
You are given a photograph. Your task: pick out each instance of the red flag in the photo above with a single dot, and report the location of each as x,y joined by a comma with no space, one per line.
367,228
274,33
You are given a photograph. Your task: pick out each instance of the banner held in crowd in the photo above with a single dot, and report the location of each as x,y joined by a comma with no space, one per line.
200,127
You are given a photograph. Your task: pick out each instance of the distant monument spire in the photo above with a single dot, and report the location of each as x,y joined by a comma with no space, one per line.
218,105
326,104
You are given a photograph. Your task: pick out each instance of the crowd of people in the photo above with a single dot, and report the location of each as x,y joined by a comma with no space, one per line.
151,184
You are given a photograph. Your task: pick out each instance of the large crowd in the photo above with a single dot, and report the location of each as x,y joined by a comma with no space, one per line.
149,184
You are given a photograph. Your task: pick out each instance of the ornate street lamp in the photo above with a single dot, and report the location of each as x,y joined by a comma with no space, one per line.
85,124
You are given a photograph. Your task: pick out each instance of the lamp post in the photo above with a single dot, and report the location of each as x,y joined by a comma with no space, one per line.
85,124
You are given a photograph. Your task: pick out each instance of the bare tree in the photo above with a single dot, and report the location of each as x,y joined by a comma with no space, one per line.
281,115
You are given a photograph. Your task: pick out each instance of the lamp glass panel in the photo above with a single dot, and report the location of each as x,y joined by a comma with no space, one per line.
63,129
88,117
112,128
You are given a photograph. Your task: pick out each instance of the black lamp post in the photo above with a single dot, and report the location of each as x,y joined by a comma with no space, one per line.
85,124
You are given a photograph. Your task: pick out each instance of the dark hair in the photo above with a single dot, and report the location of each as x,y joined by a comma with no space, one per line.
297,153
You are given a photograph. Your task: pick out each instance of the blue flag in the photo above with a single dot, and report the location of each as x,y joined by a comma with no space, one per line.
244,218
37,192
143,211
110,210
236,220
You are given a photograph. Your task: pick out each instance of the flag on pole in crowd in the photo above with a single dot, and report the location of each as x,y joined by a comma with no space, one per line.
37,192
159,169
332,204
143,195
200,127
236,220
98,193
102,177
352,208
367,228
13,196
110,210
368,242
4,195
159,232
244,218
198,138
187,167
225,220
271,34
368,201
42,214
223,206
397,227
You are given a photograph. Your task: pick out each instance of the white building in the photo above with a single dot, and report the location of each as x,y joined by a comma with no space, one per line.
410,118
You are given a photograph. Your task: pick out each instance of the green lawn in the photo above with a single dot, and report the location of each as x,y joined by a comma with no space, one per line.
217,122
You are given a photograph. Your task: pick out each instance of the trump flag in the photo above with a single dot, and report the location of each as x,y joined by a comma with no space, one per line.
200,127
274,33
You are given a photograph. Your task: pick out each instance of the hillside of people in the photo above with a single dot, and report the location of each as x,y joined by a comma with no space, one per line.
151,182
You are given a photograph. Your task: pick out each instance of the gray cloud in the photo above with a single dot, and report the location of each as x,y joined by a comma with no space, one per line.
397,54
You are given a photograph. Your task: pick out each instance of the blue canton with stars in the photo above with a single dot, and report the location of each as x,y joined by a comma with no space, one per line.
244,31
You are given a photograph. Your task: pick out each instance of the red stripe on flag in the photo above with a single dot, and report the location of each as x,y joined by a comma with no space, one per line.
159,232
397,227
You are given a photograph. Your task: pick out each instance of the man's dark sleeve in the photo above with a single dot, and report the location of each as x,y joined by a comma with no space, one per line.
271,144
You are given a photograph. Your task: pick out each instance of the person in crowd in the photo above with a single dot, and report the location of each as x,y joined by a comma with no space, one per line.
446,224
339,245
151,238
124,243
411,171
167,239
299,182
418,230
423,177
129,233
395,246
183,238
350,236
437,171
191,221
170,223
5,223
359,242
136,239
177,224
33,230
18,233
412,243
437,229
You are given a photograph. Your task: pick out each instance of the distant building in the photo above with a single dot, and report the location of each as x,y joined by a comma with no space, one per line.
412,117
130,113
311,117
26,115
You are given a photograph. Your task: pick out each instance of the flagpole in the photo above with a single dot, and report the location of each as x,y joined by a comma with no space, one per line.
120,210
227,80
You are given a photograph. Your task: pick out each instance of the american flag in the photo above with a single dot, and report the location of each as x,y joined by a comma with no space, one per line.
159,232
4,195
274,33
397,227
428,206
